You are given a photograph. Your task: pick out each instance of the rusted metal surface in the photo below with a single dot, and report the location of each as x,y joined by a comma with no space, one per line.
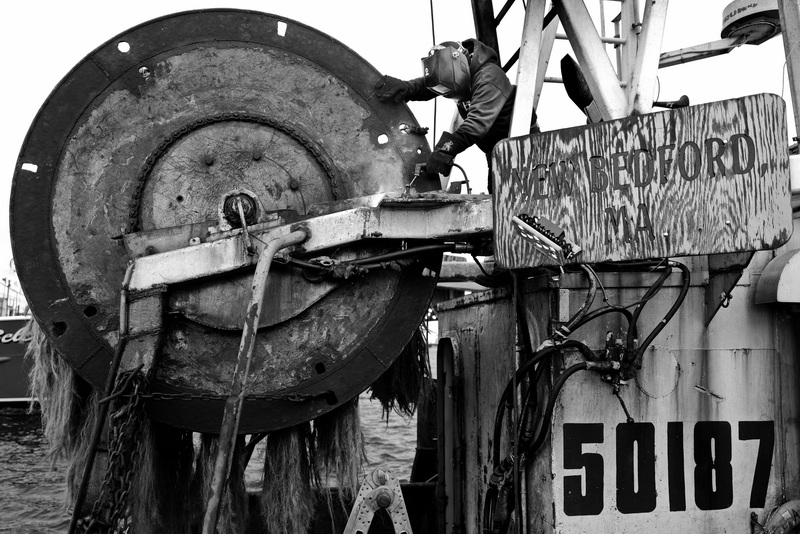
453,218
705,179
203,105
482,326
715,431
723,394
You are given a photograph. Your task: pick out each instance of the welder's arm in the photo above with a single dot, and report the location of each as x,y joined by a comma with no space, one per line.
485,105
390,88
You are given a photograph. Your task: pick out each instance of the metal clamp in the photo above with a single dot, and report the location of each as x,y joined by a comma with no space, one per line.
379,490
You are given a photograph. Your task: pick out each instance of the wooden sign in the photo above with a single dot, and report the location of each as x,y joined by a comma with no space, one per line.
706,179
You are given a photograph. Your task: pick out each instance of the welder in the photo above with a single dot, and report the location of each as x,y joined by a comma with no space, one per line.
468,72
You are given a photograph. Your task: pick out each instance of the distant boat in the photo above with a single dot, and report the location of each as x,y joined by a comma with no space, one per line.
13,367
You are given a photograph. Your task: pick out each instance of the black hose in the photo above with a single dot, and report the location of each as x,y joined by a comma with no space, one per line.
587,303
652,291
677,304
519,373
548,412
602,311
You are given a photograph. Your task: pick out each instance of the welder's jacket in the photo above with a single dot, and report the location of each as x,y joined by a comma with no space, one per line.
487,113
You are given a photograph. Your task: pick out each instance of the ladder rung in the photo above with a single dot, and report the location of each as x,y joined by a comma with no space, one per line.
608,40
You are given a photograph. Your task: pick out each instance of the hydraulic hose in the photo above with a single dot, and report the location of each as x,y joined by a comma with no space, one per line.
544,432
566,329
519,374
651,292
675,305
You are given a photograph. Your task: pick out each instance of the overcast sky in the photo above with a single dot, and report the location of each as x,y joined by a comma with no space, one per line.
43,40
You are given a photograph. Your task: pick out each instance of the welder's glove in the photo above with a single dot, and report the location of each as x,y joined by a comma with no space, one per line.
441,159
439,162
389,88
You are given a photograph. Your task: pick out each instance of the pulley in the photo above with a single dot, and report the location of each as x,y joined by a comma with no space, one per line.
191,125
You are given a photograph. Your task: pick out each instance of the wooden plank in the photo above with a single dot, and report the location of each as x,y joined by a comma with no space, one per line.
706,179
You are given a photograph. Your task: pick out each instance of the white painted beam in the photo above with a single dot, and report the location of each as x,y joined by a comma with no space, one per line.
593,59
528,68
645,70
548,39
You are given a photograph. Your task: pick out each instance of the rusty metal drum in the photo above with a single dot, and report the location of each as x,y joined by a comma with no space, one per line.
157,129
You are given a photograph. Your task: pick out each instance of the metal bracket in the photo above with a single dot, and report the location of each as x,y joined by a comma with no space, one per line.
724,270
379,490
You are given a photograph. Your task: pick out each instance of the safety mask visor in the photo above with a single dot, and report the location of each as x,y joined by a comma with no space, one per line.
446,72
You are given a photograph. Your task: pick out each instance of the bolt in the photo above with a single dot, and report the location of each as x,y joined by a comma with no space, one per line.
384,498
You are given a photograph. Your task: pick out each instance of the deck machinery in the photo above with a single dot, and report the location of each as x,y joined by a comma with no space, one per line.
203,160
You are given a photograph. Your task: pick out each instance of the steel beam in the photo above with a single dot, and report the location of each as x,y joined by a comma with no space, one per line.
790,27
451,217
528,67
645,69
485,27
593,59
548,39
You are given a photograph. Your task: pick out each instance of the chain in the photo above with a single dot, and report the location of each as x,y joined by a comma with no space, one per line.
332,173
111,511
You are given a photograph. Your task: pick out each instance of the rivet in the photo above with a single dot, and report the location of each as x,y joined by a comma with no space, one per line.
728,223
257,156
294,184
209,159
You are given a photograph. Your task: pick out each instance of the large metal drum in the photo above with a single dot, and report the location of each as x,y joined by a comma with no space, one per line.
158,128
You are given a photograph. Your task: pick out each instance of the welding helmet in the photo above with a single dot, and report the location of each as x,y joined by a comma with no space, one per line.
446,70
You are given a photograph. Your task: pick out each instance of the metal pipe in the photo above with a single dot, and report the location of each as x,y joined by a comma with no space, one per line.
233,405
607,40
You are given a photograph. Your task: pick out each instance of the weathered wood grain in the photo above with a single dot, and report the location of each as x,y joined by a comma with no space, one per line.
706,179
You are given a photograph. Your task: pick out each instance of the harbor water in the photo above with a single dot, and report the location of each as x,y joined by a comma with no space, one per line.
32,490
